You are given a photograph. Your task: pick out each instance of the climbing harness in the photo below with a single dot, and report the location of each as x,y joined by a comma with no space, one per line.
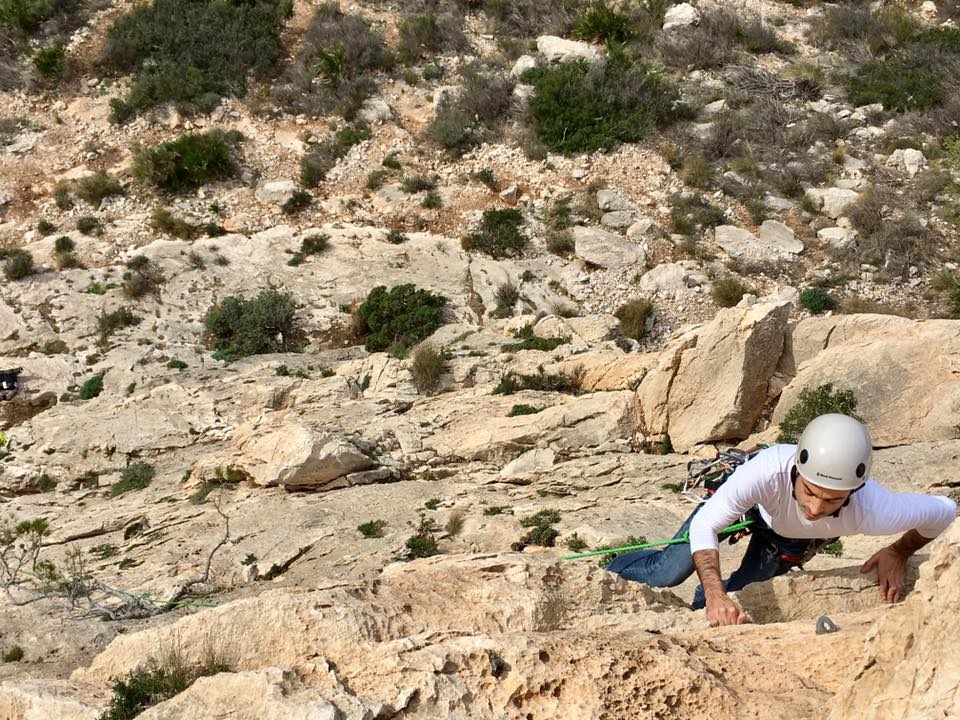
9,382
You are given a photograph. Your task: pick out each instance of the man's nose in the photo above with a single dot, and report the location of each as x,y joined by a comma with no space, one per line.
817,506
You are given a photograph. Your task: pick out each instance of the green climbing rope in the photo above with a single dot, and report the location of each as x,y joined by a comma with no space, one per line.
672,541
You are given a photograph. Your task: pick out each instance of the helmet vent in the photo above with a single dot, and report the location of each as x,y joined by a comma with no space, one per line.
861,469
804,456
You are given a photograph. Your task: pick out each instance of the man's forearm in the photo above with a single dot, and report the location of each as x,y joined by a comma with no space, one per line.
707,563
910,543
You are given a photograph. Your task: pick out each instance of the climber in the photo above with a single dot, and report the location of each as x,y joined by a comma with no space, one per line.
799,497
9,383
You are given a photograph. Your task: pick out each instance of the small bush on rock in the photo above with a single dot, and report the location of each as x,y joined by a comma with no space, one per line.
18,264
424,543
813,403
372,529
94,188
400,317
499,234
91,388
318,162
817,300
728,291
185,163
602,24
475,114
191,52
109,322
334,71
579,107
427,368
898,81
238,327
50,58
134,477
429,34
14,654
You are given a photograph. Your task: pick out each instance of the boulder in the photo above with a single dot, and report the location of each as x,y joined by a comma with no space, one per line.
523,63
605,249
711,382
679,16
776,241
276,192
832,201
619,218
908,666
557,49
907,160
293,455
530,461
611,201
837,237
375,111
672,279
899,369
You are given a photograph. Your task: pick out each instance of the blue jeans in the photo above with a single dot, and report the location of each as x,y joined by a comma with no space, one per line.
674,563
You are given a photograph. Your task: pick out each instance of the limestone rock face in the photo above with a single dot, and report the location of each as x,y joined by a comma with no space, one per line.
294,456
605,249
557,49
711,383
276,192
903,372
908,668
776,240
832,201
680,15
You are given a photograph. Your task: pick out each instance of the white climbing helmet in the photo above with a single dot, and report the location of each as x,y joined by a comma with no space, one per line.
834,452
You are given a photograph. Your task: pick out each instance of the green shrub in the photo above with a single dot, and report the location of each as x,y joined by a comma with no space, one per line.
141,277
191,52
834,549
64,244
239,326
575,543
507,295
427,368
300,200
432,504
428,35
424,543
162,220
530,18
89,225
372,528
431,200
334,71
94,188
400,317
176,364
395,237
602,24
318,162
14,654
376,178
529,341
185,163
314,244
817,300
109,322
540,533
134,477
813,403
898,81
522,409
91,387
486,177
691,213
18,264
417,183
582,107
499,234
475,114
49,59
729,290
633,317
696,172
27,14
45,227
512,382
947,38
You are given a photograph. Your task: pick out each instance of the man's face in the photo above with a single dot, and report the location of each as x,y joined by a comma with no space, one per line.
816,502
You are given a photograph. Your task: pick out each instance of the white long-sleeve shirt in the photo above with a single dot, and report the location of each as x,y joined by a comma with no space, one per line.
764,481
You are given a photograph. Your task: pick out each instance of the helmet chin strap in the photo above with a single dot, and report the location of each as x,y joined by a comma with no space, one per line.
794,473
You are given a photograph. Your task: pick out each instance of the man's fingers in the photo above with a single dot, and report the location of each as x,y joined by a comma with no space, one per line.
869,565
884,587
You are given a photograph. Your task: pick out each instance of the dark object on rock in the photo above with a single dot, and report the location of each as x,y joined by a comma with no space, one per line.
825,625
9,383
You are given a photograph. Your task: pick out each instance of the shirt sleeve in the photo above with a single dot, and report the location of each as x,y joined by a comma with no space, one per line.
889,513
742,490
